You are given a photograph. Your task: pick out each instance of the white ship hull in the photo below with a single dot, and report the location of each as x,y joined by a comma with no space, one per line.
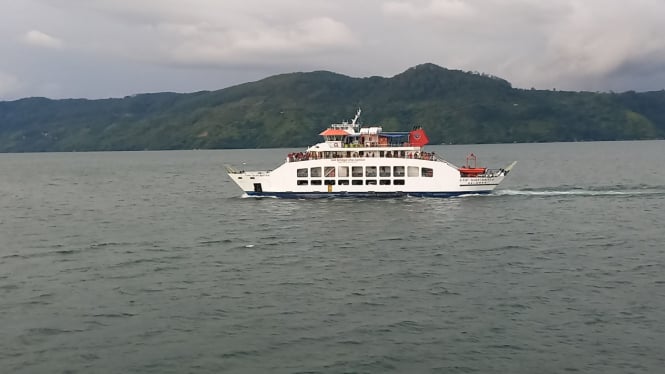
410,180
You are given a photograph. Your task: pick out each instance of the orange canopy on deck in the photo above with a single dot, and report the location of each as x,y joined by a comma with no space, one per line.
334,132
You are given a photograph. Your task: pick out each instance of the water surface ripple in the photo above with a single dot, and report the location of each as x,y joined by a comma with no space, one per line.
151,262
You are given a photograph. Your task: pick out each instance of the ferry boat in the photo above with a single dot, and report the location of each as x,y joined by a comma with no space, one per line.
355,161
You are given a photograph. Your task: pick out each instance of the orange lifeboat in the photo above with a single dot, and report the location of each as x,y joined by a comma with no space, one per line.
472,172
470,169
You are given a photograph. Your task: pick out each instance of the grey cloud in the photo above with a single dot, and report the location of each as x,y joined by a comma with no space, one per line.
42,40
208,44
8,84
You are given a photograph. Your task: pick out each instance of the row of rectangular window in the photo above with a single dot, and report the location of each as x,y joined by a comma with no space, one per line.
345,182
370,171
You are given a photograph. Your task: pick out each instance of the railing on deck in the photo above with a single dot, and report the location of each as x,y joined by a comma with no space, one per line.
305,156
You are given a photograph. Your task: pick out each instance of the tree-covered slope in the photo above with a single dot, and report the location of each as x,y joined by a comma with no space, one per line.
291,109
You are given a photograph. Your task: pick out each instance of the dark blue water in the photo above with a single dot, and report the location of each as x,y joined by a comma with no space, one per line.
150,262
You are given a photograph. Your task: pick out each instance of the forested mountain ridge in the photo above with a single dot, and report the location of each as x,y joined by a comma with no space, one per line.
290,110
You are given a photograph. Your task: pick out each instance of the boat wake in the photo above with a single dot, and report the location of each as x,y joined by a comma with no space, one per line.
257,197
607,191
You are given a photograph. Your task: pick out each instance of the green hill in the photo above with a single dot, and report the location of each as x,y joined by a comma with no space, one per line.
291,109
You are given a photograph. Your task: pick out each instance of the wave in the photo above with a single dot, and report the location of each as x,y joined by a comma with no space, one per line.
608,191
246,196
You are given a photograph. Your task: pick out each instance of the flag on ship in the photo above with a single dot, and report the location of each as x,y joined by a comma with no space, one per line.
417,137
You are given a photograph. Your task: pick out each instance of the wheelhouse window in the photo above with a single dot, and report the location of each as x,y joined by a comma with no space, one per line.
384,171
398,171
302,173
427,172
357,171
412,171
370,171
315,172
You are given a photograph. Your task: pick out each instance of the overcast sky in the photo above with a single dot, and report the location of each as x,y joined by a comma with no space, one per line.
114,48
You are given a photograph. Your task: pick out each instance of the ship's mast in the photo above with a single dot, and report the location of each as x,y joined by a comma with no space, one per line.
354,123
356,117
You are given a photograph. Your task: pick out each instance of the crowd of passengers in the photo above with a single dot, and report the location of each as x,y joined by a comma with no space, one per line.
304,156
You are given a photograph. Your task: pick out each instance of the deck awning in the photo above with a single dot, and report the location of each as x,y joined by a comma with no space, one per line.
394,134
334,132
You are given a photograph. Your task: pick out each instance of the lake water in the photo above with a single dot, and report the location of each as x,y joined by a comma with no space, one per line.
151,262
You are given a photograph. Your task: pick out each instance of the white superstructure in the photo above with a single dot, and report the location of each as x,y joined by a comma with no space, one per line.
354,161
